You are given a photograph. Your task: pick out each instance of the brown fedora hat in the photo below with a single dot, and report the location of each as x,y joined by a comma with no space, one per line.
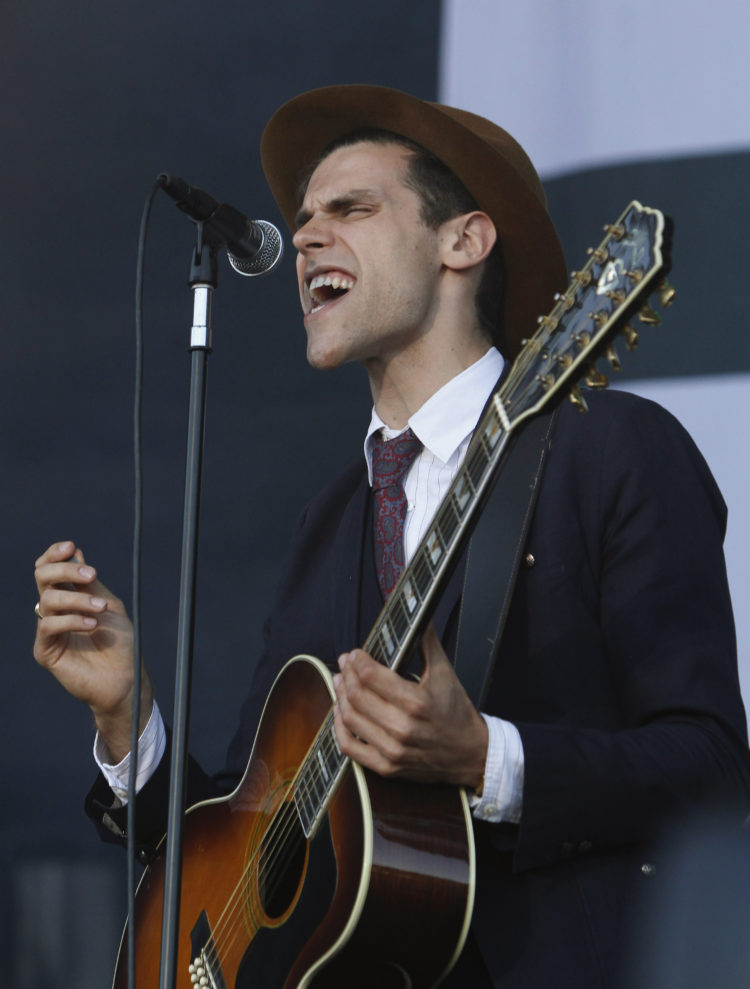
490,163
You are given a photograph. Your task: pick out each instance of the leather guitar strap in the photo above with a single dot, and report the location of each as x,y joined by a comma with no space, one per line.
494,554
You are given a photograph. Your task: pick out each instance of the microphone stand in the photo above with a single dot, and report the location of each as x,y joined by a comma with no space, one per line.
203,279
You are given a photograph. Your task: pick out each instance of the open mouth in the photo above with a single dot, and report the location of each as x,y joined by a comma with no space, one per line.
328,287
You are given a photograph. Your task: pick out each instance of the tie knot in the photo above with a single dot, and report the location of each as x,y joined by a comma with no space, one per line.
391,459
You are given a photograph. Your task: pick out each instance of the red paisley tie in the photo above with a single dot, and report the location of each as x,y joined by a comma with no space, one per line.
391,459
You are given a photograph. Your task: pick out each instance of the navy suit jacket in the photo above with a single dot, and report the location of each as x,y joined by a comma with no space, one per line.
617,665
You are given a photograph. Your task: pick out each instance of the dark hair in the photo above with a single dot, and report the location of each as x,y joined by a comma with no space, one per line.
443,196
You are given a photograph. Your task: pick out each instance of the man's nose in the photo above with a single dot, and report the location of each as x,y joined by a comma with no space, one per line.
314,233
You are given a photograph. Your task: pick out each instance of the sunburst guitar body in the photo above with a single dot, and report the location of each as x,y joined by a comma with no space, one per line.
265,904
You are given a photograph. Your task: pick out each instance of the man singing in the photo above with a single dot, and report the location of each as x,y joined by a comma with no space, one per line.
425,253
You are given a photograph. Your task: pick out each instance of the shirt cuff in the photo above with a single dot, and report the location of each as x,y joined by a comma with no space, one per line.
502,792
151,746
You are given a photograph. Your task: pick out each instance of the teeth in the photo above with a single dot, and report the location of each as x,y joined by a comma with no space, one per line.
335,282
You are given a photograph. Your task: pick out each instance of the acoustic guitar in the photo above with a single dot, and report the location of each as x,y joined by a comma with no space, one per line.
315,872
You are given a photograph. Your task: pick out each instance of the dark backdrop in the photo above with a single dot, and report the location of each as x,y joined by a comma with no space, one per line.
97,100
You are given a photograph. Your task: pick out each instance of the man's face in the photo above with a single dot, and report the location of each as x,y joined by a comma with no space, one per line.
367,266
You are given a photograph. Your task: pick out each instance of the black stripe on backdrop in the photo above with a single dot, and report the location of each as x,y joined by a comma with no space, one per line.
705,332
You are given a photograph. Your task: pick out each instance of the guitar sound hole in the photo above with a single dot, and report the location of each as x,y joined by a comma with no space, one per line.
281,866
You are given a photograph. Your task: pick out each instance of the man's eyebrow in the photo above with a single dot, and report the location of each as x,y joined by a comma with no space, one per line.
335,205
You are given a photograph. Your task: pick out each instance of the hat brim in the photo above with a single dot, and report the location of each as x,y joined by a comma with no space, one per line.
489,162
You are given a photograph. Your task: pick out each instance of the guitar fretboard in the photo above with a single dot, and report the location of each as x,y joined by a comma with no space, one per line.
409,604
618,276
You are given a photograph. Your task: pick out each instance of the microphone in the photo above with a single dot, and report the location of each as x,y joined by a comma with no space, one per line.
253,246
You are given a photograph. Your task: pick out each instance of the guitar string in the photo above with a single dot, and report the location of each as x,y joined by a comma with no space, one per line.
523,364
287,810
225,939
226,930
282,823
225,935
276,833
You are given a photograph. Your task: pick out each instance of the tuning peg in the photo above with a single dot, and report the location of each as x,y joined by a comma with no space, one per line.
594,378
612,357
545,380
667,293
548,322
615,230
567,301
600,318
599,254
577,399
649,316
631,336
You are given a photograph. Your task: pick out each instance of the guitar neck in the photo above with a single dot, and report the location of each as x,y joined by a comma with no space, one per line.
413,599
613,286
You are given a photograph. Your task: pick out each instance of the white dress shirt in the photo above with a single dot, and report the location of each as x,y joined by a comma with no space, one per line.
444,425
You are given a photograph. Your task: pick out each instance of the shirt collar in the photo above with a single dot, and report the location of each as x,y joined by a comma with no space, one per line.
450,415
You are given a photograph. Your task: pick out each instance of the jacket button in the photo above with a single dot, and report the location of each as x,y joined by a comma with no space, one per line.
648,870
529,561
585,846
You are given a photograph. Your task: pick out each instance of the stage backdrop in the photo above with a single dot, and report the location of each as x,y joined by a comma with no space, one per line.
98,100
645,101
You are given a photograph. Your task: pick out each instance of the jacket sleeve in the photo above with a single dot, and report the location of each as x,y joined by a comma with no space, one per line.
301,620
640,641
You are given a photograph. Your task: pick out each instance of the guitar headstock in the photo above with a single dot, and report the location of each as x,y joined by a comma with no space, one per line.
602,299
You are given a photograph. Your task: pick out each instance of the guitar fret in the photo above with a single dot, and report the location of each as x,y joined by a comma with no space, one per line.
448,520
422,572
302,804
399,617
319,789
494,431
323,767
463,492
476,464
386,637
316,779
410,595
434,548
331,759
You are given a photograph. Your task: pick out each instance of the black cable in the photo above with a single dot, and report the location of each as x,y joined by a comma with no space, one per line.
136,567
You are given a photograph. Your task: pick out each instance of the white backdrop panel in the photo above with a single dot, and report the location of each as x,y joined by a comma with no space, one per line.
588,82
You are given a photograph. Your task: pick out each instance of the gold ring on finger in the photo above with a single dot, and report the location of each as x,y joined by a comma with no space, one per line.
38,611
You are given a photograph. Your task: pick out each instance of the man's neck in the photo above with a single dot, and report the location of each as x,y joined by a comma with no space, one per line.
402,388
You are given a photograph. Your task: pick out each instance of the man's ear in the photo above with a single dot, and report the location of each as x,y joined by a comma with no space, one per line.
467,240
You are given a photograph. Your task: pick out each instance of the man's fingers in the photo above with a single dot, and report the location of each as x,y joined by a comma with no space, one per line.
377,705
57,552
54,601
53,626
68,572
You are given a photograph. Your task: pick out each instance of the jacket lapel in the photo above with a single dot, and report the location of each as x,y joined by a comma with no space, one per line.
347,583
